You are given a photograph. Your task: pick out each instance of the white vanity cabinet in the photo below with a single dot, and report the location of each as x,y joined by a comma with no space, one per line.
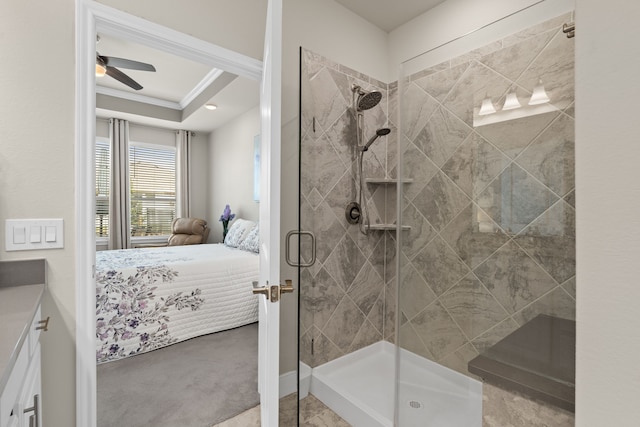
20,401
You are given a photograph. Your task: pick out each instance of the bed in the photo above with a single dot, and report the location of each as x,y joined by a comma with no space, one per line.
153,297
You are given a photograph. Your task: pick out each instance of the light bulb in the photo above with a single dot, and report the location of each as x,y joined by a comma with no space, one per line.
539,95
100,70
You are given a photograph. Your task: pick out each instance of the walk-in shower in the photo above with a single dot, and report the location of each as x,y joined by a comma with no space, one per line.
472,223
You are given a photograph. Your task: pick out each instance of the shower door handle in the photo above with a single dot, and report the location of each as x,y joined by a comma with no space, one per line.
288,248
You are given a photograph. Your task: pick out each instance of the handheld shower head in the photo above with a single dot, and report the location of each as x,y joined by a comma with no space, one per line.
366,100
379,133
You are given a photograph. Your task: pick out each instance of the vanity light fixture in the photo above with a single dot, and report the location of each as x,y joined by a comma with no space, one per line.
539,95
486,107
211,106
511,102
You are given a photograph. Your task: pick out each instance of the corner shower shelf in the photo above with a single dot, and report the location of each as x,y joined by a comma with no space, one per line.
387,227
386,181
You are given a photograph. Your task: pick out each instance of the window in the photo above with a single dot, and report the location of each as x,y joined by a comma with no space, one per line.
103,183
152,181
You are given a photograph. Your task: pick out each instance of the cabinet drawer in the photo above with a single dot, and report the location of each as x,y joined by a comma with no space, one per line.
9,398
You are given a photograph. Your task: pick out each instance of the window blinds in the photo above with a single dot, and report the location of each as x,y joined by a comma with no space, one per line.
103,182
152,179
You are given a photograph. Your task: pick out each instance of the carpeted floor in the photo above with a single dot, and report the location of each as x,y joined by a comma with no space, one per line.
196,383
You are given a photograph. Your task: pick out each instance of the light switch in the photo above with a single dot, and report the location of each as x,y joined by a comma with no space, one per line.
50,234
34,234
19,236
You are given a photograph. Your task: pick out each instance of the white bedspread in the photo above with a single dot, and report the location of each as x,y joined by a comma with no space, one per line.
149,298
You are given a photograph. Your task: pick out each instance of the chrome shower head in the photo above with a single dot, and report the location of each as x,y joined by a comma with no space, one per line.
379,133
366,99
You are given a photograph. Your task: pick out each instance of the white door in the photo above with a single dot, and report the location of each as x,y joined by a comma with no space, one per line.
269,329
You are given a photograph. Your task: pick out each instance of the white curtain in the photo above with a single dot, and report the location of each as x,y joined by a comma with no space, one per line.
183,153
119,205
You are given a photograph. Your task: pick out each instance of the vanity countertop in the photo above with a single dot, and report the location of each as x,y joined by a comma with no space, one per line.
18,306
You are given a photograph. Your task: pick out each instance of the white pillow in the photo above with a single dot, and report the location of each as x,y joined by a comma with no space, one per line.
238,231
251,243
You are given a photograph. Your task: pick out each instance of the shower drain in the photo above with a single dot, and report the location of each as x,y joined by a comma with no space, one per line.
415,404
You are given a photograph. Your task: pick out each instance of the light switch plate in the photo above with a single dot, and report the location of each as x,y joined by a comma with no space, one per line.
53,234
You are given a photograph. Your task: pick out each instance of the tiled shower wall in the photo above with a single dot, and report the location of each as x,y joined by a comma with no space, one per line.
345,303
491,206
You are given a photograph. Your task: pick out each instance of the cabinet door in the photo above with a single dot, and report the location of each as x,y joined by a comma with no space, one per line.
30,398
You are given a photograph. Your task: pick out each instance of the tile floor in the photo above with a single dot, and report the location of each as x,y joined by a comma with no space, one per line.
313,413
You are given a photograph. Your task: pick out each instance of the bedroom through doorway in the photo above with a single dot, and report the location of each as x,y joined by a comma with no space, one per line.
176,325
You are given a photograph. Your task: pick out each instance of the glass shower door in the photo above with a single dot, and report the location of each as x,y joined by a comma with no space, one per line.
488,142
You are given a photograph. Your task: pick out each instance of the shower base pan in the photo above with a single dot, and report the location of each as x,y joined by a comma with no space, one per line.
360,388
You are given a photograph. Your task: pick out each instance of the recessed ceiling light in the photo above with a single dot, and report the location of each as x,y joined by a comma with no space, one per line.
210,106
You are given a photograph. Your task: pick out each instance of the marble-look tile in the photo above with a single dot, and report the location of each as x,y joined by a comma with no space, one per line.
551,158
344,324
343,82
571,110
441,136
438,331
477,83
366,288
459,360
431,70
390,304
514,59
473,236
373,246
555,67
421,232
305,342
366,336
502,408
321,299
440,201
570,287
495,334
512,136
411,341
551,241
474,165
324,350
415,294
377,313
328,100
476,53
288,410
552,24
556,303
390,268
392,149
439,266
321,166
342,136
310,406
345,262
343,193
326,227
514,199
418,106
418,167
439,84
312,62
473,308
514,278
571,198
325,418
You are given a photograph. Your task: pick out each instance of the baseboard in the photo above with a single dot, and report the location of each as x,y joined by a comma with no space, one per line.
288,383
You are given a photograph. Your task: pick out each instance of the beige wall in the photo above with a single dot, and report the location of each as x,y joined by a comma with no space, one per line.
231,171
36,168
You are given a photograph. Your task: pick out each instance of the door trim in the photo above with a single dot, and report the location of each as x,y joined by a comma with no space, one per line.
92,17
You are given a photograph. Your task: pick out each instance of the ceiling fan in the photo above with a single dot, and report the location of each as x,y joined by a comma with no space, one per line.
107,65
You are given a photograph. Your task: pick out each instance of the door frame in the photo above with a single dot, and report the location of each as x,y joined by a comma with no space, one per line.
92,17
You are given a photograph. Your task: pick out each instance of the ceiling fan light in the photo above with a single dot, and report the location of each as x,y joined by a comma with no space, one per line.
211,106
100,70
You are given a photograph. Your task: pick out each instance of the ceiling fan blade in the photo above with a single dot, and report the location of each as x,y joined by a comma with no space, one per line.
123,78
127,63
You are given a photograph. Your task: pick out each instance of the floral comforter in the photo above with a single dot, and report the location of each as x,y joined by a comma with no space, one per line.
153,297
